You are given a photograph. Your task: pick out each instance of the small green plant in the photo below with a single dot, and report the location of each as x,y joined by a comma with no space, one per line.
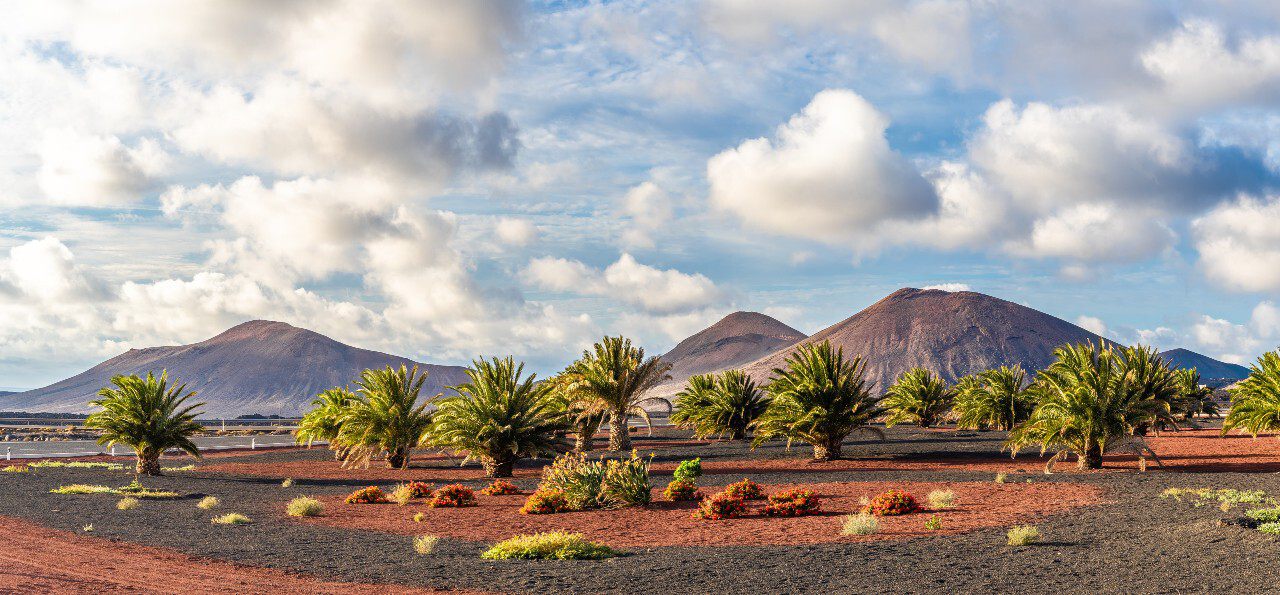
16,469
369,495
190,467
1270,528
745,489
689,470
546,502
1023,535
722,505
140,491
425,544
556,545
860,524
128,503
626,481
287,483
1264,515
934,523
208,503
1002,477
233,518
1226,496
75,465
892,503
80,488
304,506
941,499
453,496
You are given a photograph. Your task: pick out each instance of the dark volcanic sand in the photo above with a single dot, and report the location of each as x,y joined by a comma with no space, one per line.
1133,542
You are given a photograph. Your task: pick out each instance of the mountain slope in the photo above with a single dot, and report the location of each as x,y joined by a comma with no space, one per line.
1210,369
734,341
256,367
949,333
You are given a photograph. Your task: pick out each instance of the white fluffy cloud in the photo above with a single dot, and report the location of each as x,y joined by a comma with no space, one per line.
96,170
515,232
1239,244
1099,233
649,208
1199,67
1239,343
46,270
655,291
829,174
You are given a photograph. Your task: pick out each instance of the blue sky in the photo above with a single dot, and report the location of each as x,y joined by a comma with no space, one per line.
450,179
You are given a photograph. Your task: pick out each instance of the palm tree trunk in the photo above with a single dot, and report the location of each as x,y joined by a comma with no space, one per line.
738,434
148,463
584,436
619,433
495,468
1090,459
829,450
398,458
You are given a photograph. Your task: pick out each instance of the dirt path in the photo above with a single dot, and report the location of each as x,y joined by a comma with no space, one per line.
42,560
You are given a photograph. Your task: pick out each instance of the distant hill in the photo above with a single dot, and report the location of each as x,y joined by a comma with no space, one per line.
736,340
259,367
1212,372
950,333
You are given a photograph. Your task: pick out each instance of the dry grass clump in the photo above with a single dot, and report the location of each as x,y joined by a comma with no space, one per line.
208,503
287,483
940,499
1002,477
418,518
80,488
860,524
1023,535
128,503
425,544
304,506
16,469
233,518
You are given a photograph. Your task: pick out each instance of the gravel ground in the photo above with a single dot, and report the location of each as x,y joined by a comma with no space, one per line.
1136,542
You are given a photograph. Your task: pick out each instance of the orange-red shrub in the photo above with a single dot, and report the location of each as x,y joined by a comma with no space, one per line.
722,505
455,495
681,491
501,487
745,489
797,502
369,495
893,503
545,502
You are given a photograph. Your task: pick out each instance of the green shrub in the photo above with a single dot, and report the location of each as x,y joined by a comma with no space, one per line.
369,495
80,488
581,481
425,544
16,469
1264,515
689,470
233,518
626,481
681,491
1023,535
140,491
453,496
304,506
546,502
893,503
128,503
556,545
940,499
934,523
860,524
722,505
208,503
75,465
1270,528
745,489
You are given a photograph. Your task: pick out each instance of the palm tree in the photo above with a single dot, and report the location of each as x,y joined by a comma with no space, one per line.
996,398
1092,400
724,404
324,421
612,377
147,415
918,396
584,416
820,398
1193,398
498,417
1255,401
386,418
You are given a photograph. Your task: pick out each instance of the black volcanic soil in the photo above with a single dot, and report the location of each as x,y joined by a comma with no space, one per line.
949,333
1132,542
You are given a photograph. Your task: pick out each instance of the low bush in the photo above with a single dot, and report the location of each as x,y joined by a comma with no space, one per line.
1228,497
1264,515
16,469
681,491
208,503
1270,528
425,544
501,487
581,481
128,503
76,465
1023,535
287,483
893,503
453,496
405,492
80,488
233,518
689,470
941,499
745,489
546,502
860,524
140,491
934,523
626,482
722,505
796,502
369,495
556,545
304,506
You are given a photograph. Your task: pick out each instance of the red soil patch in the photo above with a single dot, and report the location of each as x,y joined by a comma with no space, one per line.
978,504
53,561
1207,451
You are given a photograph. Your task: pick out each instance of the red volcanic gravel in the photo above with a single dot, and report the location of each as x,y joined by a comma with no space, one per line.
978,504
53,561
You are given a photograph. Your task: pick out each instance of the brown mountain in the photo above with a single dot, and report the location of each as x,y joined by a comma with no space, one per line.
738,339
949,333
256,367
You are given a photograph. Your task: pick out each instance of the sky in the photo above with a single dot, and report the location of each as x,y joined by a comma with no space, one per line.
450,179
